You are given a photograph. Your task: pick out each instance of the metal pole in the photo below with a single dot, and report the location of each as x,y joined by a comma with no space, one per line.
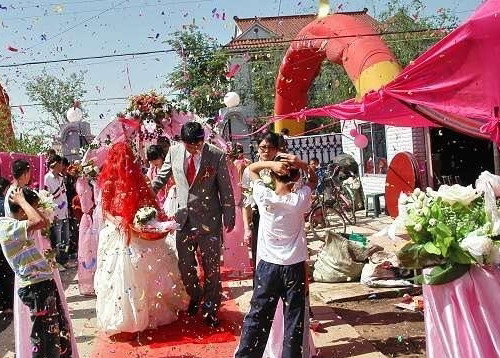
428,157
496,155
229,129
496,159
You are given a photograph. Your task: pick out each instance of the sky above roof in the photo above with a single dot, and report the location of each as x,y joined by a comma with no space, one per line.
51,30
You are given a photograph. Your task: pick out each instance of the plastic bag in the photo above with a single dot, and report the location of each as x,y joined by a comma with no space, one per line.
170,204
489,184
382,270
340,260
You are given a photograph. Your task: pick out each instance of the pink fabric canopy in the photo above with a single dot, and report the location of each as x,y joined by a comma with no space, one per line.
455,83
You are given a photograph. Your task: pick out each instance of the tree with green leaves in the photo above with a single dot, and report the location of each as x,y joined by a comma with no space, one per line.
405,19
56,95
26,143
199,79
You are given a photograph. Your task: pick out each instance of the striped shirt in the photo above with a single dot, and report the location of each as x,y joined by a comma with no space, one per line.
21,253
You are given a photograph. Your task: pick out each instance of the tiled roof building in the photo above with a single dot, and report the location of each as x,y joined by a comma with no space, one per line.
277,31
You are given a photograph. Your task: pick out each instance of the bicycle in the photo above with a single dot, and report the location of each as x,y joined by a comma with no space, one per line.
335,201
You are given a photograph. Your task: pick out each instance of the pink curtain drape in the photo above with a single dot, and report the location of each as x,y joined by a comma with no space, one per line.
88,238
462,318
235,253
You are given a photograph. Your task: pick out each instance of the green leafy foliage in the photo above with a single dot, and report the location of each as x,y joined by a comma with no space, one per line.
450,228
438,227
56,95
25,143
199,79
407,16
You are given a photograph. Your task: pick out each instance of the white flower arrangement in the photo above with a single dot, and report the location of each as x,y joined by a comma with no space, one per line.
457,194
144,215
479,246
89,170
450,229
46,205
265,176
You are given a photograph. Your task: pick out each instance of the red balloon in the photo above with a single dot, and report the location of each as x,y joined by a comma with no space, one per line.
353,132
361,141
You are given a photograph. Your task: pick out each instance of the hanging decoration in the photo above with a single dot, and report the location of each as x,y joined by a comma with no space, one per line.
146,112
361,141
75,114
231,99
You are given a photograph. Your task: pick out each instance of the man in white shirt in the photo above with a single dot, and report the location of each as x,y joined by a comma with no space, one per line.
59,231
267,150
282,252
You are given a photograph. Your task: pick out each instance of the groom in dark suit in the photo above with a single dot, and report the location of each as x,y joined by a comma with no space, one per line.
204,196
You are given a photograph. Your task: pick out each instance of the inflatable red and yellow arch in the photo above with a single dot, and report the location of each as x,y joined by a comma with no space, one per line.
342,39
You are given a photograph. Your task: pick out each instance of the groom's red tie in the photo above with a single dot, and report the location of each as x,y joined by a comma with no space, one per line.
191,170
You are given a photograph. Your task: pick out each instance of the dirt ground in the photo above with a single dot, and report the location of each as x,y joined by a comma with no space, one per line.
394,332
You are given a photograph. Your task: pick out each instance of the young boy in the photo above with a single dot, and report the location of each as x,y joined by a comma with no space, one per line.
282,250
37,289
21,172
59,231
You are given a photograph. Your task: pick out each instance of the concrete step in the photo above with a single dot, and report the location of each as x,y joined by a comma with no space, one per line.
335,338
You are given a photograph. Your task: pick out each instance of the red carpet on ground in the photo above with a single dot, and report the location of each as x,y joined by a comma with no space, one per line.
188,337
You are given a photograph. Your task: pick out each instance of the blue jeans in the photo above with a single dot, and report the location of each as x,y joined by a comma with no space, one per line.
274,282
59,237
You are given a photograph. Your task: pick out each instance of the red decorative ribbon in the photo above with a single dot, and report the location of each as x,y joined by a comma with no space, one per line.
492,127
130,122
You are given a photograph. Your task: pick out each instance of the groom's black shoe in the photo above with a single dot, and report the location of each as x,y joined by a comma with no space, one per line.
211,321
194,306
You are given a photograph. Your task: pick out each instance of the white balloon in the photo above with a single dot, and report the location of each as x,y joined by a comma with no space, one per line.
231,99
74,114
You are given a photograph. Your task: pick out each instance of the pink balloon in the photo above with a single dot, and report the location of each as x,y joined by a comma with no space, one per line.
361,141
353,132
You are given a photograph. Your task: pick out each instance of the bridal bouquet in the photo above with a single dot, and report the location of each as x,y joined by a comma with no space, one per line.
89,170
148,227
144,215
268,181
450,229
46,205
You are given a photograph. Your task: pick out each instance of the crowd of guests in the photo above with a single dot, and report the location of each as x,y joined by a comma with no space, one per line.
273,226
60,181
30,267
